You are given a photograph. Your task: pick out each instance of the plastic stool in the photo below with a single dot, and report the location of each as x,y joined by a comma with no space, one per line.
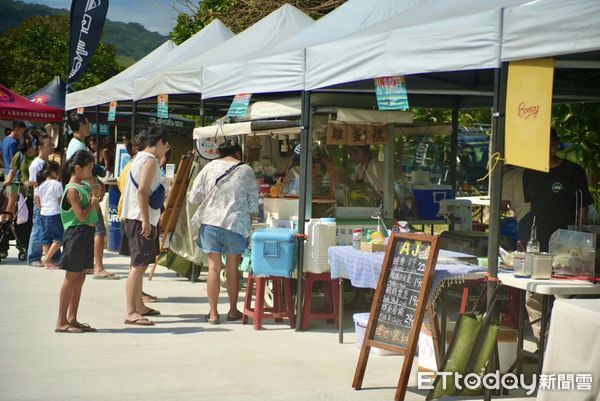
510,318
278,311
332,297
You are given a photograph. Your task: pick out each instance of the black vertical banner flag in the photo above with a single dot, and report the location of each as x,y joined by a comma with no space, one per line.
87,22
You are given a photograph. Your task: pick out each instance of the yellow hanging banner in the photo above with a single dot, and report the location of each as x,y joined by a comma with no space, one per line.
528,112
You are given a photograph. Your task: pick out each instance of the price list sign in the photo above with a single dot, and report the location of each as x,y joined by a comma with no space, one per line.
399,303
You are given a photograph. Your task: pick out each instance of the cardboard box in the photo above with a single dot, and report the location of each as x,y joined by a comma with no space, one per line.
368,247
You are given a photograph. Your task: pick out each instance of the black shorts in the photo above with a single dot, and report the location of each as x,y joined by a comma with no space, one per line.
124,249
143,250
78,249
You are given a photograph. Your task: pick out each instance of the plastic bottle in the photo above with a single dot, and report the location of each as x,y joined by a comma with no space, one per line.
533,245
261,208
356,238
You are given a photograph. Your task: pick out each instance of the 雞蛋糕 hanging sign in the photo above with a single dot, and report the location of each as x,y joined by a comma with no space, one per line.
112,111
162,108
239,106
391,93
342,133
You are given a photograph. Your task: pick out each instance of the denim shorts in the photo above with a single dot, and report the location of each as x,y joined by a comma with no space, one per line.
220,240
100,226
52,229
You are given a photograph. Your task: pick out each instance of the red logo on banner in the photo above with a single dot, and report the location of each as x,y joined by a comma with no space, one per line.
528,111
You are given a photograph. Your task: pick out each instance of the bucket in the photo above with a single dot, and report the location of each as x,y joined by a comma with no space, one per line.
114,228
361,320
321,236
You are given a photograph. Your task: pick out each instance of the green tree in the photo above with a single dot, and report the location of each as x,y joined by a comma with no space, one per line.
37,50
238,14
578,125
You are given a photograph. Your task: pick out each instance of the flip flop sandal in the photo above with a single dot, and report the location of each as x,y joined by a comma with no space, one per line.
69,330
140,322
86,327
151,312
211,321
238,316
107,277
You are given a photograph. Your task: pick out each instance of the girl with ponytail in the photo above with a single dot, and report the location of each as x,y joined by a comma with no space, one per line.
79,216
49,194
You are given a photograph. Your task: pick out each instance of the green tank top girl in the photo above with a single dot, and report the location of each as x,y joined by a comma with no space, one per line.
67,214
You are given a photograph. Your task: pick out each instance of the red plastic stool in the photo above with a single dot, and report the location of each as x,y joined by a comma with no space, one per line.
278,311
332,297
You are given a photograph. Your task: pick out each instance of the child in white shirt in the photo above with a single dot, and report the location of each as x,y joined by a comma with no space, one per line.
50,192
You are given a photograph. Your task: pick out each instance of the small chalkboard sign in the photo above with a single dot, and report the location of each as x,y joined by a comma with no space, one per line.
400,301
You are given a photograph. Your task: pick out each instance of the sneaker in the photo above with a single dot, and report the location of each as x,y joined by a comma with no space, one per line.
36,263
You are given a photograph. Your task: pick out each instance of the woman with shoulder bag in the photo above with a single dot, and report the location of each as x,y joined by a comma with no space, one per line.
227,192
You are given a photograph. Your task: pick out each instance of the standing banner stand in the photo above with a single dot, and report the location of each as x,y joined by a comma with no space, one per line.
399,304
176,199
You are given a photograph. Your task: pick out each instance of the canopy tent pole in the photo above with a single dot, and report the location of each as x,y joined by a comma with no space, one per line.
97,133
133,111
454,147
201,112
497,153
305,197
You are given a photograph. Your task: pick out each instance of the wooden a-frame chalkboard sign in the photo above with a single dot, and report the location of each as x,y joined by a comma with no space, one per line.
399,304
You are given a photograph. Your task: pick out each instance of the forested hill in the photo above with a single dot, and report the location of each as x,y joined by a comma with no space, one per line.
131,40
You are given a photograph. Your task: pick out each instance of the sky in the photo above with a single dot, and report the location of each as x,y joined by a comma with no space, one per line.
154,15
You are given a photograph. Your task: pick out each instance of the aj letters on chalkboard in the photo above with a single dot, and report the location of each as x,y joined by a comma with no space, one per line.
400,301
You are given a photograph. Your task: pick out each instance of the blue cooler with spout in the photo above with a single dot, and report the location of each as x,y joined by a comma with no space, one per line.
273,252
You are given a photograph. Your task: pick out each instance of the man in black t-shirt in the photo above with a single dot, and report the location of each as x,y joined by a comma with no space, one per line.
553,195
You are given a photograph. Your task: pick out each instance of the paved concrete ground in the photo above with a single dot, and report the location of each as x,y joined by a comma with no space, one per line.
181,358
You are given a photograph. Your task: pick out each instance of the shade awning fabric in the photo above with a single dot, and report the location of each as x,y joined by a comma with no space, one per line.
281,68
52,95
247,128
187,77
466,37
374,116
17,107
258,112
119,87
551,27
207,39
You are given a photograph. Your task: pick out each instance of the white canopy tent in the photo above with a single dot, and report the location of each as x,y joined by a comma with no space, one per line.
551,27
119,87
187,77
434,36
281,68
207,39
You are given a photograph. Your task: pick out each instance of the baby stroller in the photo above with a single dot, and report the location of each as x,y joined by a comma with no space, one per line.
8,229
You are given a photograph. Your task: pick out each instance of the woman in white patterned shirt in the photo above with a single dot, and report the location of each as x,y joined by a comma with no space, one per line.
227,192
